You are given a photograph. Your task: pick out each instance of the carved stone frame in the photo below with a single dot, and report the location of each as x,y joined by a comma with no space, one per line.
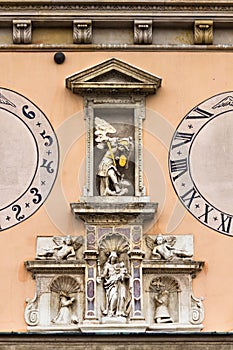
132,102
114,84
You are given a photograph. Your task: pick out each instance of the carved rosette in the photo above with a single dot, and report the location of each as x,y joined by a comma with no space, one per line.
203,32
143,32
22,31
82,32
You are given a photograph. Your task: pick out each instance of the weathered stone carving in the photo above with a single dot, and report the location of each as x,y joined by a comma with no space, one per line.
197,310
163,248
203,32
116,155
59,274
82,32
115,276
22,31
162,287
143,32
31,313
66,288
64,248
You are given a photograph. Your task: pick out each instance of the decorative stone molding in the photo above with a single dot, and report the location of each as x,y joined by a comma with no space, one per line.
82,32
143,32
114,287
100,85
113,77
203,32
22,31
31,314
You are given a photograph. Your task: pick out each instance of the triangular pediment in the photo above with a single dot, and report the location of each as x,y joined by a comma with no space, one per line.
110,75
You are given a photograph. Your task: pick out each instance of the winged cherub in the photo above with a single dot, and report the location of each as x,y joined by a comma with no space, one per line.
163,248
65,249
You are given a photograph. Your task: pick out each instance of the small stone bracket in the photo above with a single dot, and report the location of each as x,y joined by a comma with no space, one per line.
82,32
22,31
203,32
142,32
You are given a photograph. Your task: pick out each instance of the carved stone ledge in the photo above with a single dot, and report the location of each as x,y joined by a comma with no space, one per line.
45,266
143,32
190,267
112,212
22,31
82,32
203,32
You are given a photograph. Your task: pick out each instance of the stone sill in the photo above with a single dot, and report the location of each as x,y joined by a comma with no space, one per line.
176,266
45,266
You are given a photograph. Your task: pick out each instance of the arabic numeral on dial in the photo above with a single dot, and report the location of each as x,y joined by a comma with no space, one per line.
37,195
28,114
47,166
17,208
49,138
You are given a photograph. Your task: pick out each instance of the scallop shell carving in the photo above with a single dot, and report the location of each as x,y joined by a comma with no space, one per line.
114,242
170,284
65,284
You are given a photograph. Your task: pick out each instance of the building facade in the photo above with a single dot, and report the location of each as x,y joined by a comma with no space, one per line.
116,162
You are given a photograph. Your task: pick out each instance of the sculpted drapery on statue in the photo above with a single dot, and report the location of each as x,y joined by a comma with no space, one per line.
115,275
116,156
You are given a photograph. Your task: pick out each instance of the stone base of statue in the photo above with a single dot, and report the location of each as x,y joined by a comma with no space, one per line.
113,320
114,328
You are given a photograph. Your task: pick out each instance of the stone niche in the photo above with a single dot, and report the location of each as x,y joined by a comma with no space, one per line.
115,279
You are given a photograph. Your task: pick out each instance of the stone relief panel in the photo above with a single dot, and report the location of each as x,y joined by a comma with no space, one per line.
59,274
170,247
114,280
113,156
165,299
58,248
64,300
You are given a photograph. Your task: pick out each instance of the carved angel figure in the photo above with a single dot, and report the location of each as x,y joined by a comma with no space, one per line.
117,153
65,249
163,248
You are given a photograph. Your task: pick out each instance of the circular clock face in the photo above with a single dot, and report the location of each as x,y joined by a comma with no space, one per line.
29,158
201,162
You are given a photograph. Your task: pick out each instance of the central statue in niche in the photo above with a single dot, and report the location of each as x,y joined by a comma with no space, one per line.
116,156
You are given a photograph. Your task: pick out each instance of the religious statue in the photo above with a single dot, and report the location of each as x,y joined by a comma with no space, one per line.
161,299
163,248
116,156
116,280
66,288
65,249
64,315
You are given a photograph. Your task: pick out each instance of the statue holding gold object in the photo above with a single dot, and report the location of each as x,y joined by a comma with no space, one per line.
112,182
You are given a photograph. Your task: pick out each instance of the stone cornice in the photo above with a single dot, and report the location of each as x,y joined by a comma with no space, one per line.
205,7
86,19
